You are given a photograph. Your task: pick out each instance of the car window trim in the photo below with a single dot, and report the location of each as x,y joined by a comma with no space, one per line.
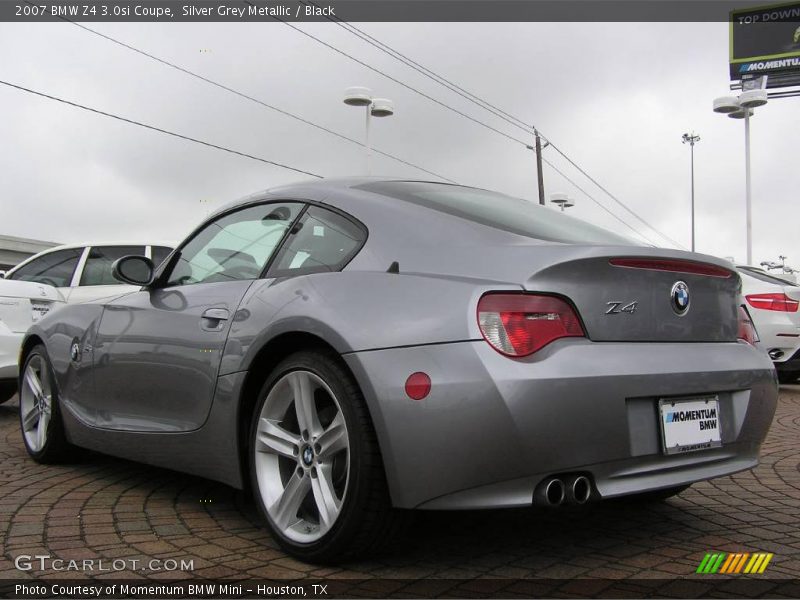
162,277
78,273
318,269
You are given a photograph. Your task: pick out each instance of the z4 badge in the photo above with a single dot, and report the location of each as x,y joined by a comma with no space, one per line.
616,308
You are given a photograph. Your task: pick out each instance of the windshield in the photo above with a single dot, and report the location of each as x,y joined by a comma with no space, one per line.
499,211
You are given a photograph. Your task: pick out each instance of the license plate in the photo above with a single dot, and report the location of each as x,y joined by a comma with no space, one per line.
689,425
38,310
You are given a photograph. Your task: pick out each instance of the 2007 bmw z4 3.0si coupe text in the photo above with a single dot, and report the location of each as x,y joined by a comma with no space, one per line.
354,347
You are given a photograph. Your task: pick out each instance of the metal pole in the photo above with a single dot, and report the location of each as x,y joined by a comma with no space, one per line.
367,143
539,173
692,150
747,186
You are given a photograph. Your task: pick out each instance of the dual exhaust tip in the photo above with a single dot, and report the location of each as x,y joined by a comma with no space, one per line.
569,489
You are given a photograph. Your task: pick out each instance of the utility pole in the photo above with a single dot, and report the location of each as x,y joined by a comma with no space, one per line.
692,139
539,175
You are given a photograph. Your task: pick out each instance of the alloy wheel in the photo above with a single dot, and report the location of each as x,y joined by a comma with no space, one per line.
35,403
302,456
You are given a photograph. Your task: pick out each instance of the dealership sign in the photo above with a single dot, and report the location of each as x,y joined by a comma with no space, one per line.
766,41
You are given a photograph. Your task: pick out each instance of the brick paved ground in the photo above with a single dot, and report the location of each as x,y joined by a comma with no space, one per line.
108,508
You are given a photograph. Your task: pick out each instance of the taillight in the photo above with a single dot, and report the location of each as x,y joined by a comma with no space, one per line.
521,324
747,331
780,302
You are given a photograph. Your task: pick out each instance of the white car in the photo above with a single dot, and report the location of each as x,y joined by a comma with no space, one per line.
773,304
64,274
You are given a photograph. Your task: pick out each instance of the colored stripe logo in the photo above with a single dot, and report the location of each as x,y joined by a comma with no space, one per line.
734,563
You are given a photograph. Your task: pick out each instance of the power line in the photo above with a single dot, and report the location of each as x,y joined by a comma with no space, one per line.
159,129
397,55
613,197
517,122
604,207
398,82
251,98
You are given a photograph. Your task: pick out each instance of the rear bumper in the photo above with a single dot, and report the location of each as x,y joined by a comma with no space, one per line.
10,342
492,427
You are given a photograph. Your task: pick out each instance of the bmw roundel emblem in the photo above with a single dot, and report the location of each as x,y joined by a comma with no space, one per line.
679,297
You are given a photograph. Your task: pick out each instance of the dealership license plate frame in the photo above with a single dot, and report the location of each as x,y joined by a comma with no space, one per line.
697,445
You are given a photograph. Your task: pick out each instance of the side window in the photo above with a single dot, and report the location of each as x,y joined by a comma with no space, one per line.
324,241
54,268
159,253
97,270
235,246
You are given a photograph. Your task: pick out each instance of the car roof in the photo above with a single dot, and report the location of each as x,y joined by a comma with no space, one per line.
318,189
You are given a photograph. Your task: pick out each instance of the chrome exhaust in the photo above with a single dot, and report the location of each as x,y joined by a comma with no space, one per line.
550,492
775,353
578,489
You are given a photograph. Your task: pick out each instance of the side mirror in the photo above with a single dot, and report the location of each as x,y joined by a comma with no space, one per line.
134,270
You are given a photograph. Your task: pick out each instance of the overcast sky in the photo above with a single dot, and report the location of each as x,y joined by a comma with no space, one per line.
615,97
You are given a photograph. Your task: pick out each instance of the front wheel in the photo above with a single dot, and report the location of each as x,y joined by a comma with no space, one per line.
316,469
39,411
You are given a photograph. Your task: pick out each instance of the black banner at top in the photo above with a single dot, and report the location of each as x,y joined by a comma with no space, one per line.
371,10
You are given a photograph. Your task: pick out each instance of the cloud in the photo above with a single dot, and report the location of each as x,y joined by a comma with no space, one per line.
615,97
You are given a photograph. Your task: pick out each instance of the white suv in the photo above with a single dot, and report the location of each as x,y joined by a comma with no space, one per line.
64,274
773,304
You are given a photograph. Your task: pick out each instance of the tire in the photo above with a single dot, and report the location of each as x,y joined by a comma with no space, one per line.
317,473
39,412
7,390
788,377
656,495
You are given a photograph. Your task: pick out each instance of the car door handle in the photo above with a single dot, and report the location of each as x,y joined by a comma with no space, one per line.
217,314
212,317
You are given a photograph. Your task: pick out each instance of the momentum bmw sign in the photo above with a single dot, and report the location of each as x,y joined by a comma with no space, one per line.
765,40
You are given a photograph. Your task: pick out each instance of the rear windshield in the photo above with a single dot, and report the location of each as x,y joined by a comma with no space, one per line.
498,211
766,277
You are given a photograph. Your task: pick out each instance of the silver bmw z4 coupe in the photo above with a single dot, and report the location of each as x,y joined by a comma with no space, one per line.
353,348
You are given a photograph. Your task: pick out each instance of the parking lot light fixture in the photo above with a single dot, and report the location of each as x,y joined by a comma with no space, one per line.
562,200
375,107
691,139
741,107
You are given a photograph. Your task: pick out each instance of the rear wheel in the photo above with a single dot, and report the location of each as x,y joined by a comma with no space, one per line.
316,469
790,377
7,390
40,417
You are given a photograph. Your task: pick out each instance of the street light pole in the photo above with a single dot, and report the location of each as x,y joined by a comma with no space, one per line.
375,107
748,193
367,144
742,108
691,139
